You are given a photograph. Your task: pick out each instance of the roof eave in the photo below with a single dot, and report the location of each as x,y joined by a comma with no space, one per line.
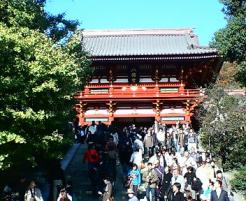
155,57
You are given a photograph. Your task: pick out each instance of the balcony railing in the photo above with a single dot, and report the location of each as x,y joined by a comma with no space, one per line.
140,91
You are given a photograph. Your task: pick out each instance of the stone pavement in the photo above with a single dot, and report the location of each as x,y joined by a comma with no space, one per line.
76,172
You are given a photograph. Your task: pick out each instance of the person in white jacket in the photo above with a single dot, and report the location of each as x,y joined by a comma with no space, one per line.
33,193
138,144
115,137
177,178
160,135
136,158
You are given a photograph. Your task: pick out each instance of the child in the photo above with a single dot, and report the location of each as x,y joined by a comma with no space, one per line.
135,177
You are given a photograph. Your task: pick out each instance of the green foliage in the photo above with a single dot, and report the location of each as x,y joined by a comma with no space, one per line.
31,14
234,7
231,40
239,181
7,140
38,78
6,137
223,124
241,72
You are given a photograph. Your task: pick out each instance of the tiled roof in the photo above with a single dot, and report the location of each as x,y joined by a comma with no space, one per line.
152,42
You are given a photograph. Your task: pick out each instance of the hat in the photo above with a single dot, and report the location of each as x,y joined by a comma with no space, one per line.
139,136
130,191
156,162
203,198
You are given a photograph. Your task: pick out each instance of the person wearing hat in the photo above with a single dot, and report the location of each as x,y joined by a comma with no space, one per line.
203,198
131,195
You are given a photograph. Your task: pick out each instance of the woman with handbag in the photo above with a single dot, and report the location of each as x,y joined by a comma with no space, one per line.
107,191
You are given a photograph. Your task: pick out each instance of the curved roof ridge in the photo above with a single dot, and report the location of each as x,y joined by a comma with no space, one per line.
144,42
118,32
133,35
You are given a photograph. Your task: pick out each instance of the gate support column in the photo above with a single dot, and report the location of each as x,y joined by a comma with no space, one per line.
111,111
157,110
82,113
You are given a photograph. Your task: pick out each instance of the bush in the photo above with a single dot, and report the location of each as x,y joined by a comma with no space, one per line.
238,182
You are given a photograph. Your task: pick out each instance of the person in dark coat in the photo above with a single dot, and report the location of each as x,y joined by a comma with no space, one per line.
219,194
177,195
21,187
197,187
149,143
125,151
189,176
166,184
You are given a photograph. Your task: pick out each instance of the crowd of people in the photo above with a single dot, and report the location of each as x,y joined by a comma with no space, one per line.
158,163
29,191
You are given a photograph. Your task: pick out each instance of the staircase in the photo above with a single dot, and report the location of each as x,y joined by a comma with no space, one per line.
76,173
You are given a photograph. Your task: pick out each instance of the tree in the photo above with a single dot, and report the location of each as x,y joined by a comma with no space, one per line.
231,40
223,124
31,14
41,69
226,78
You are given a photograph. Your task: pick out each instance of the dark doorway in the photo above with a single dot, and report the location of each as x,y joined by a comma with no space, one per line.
195,123
138,121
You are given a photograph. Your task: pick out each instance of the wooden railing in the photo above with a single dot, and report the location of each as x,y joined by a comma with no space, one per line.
119,85
141,91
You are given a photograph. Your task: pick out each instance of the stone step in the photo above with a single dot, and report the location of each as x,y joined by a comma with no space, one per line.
78,175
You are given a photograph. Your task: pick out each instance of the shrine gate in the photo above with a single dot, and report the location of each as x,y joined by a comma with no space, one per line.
157,74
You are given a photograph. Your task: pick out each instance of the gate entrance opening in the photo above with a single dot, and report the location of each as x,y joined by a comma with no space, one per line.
138,121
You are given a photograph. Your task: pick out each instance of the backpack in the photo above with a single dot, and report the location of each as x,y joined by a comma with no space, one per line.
93,156
196,185
82,133
32,195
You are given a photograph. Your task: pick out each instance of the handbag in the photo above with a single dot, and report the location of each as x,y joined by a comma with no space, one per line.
128,182
111,199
